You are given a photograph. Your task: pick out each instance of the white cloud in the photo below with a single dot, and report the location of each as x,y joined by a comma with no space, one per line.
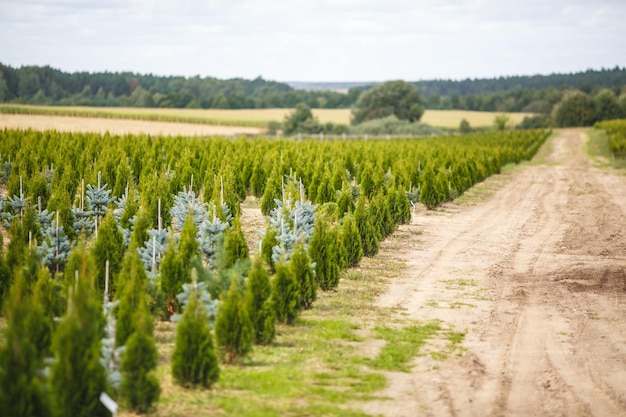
315,40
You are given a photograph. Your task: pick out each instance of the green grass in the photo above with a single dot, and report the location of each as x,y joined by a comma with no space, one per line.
402,345
597,147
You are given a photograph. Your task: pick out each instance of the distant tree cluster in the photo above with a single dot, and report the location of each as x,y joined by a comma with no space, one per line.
46,85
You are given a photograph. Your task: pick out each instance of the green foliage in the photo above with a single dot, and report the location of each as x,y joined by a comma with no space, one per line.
234,330
323,251
173,276
575,109
397,98
22,390
109,246
464,126
352,241
269,241
285,294
188,245
5,279
272,191
534,122
380,216
133,306
194,362
139,389
300,268
429,195
301,120
607,106
500,122
369,239
345,202
391,125
259,303
616,132
235,246
76,377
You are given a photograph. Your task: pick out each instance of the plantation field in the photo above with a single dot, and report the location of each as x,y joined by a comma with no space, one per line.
248,117
145,232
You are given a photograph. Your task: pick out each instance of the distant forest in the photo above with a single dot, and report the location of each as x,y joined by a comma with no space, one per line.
46,85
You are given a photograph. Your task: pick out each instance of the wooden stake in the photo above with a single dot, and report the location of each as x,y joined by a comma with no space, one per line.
106,281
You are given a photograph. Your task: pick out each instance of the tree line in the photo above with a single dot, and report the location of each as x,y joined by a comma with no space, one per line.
47,85
533,94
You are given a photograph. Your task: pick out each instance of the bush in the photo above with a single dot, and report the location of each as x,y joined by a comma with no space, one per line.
22,391
235,246
391,125
285,295
233,328
362,218
259,303
352,241
575,109
397,98
140,388
194,362
323,251
300,269
77,378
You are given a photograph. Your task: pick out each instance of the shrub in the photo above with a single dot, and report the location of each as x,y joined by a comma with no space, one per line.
351,240
285,295
233,328
259,303
194,362
300,269
323,251
139,388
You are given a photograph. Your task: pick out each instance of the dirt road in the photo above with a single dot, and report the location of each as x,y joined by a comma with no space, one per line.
535,275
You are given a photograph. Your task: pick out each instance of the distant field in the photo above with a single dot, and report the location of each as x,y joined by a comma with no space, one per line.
252,118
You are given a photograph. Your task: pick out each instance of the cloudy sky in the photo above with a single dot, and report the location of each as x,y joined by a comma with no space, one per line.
316,40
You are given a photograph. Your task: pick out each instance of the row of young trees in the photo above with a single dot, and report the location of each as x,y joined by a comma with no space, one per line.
616,132
165,241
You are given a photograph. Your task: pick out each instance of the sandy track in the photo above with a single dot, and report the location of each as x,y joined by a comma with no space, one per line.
118,126
536,277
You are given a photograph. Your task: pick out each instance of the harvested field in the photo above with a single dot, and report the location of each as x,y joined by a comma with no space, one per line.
119,126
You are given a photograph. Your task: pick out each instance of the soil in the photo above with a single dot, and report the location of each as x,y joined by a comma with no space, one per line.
535,276
118,126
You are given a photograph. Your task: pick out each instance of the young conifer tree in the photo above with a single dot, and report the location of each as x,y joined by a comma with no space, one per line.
272,191
110,247
139,389
77,377
323,251
194,362
188,245
369,241
173,277
233,328
352,241
259,302
22,390
300,268
235,246
285,294
132,298
267,244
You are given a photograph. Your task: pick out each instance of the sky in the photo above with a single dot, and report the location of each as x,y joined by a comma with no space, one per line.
316,40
